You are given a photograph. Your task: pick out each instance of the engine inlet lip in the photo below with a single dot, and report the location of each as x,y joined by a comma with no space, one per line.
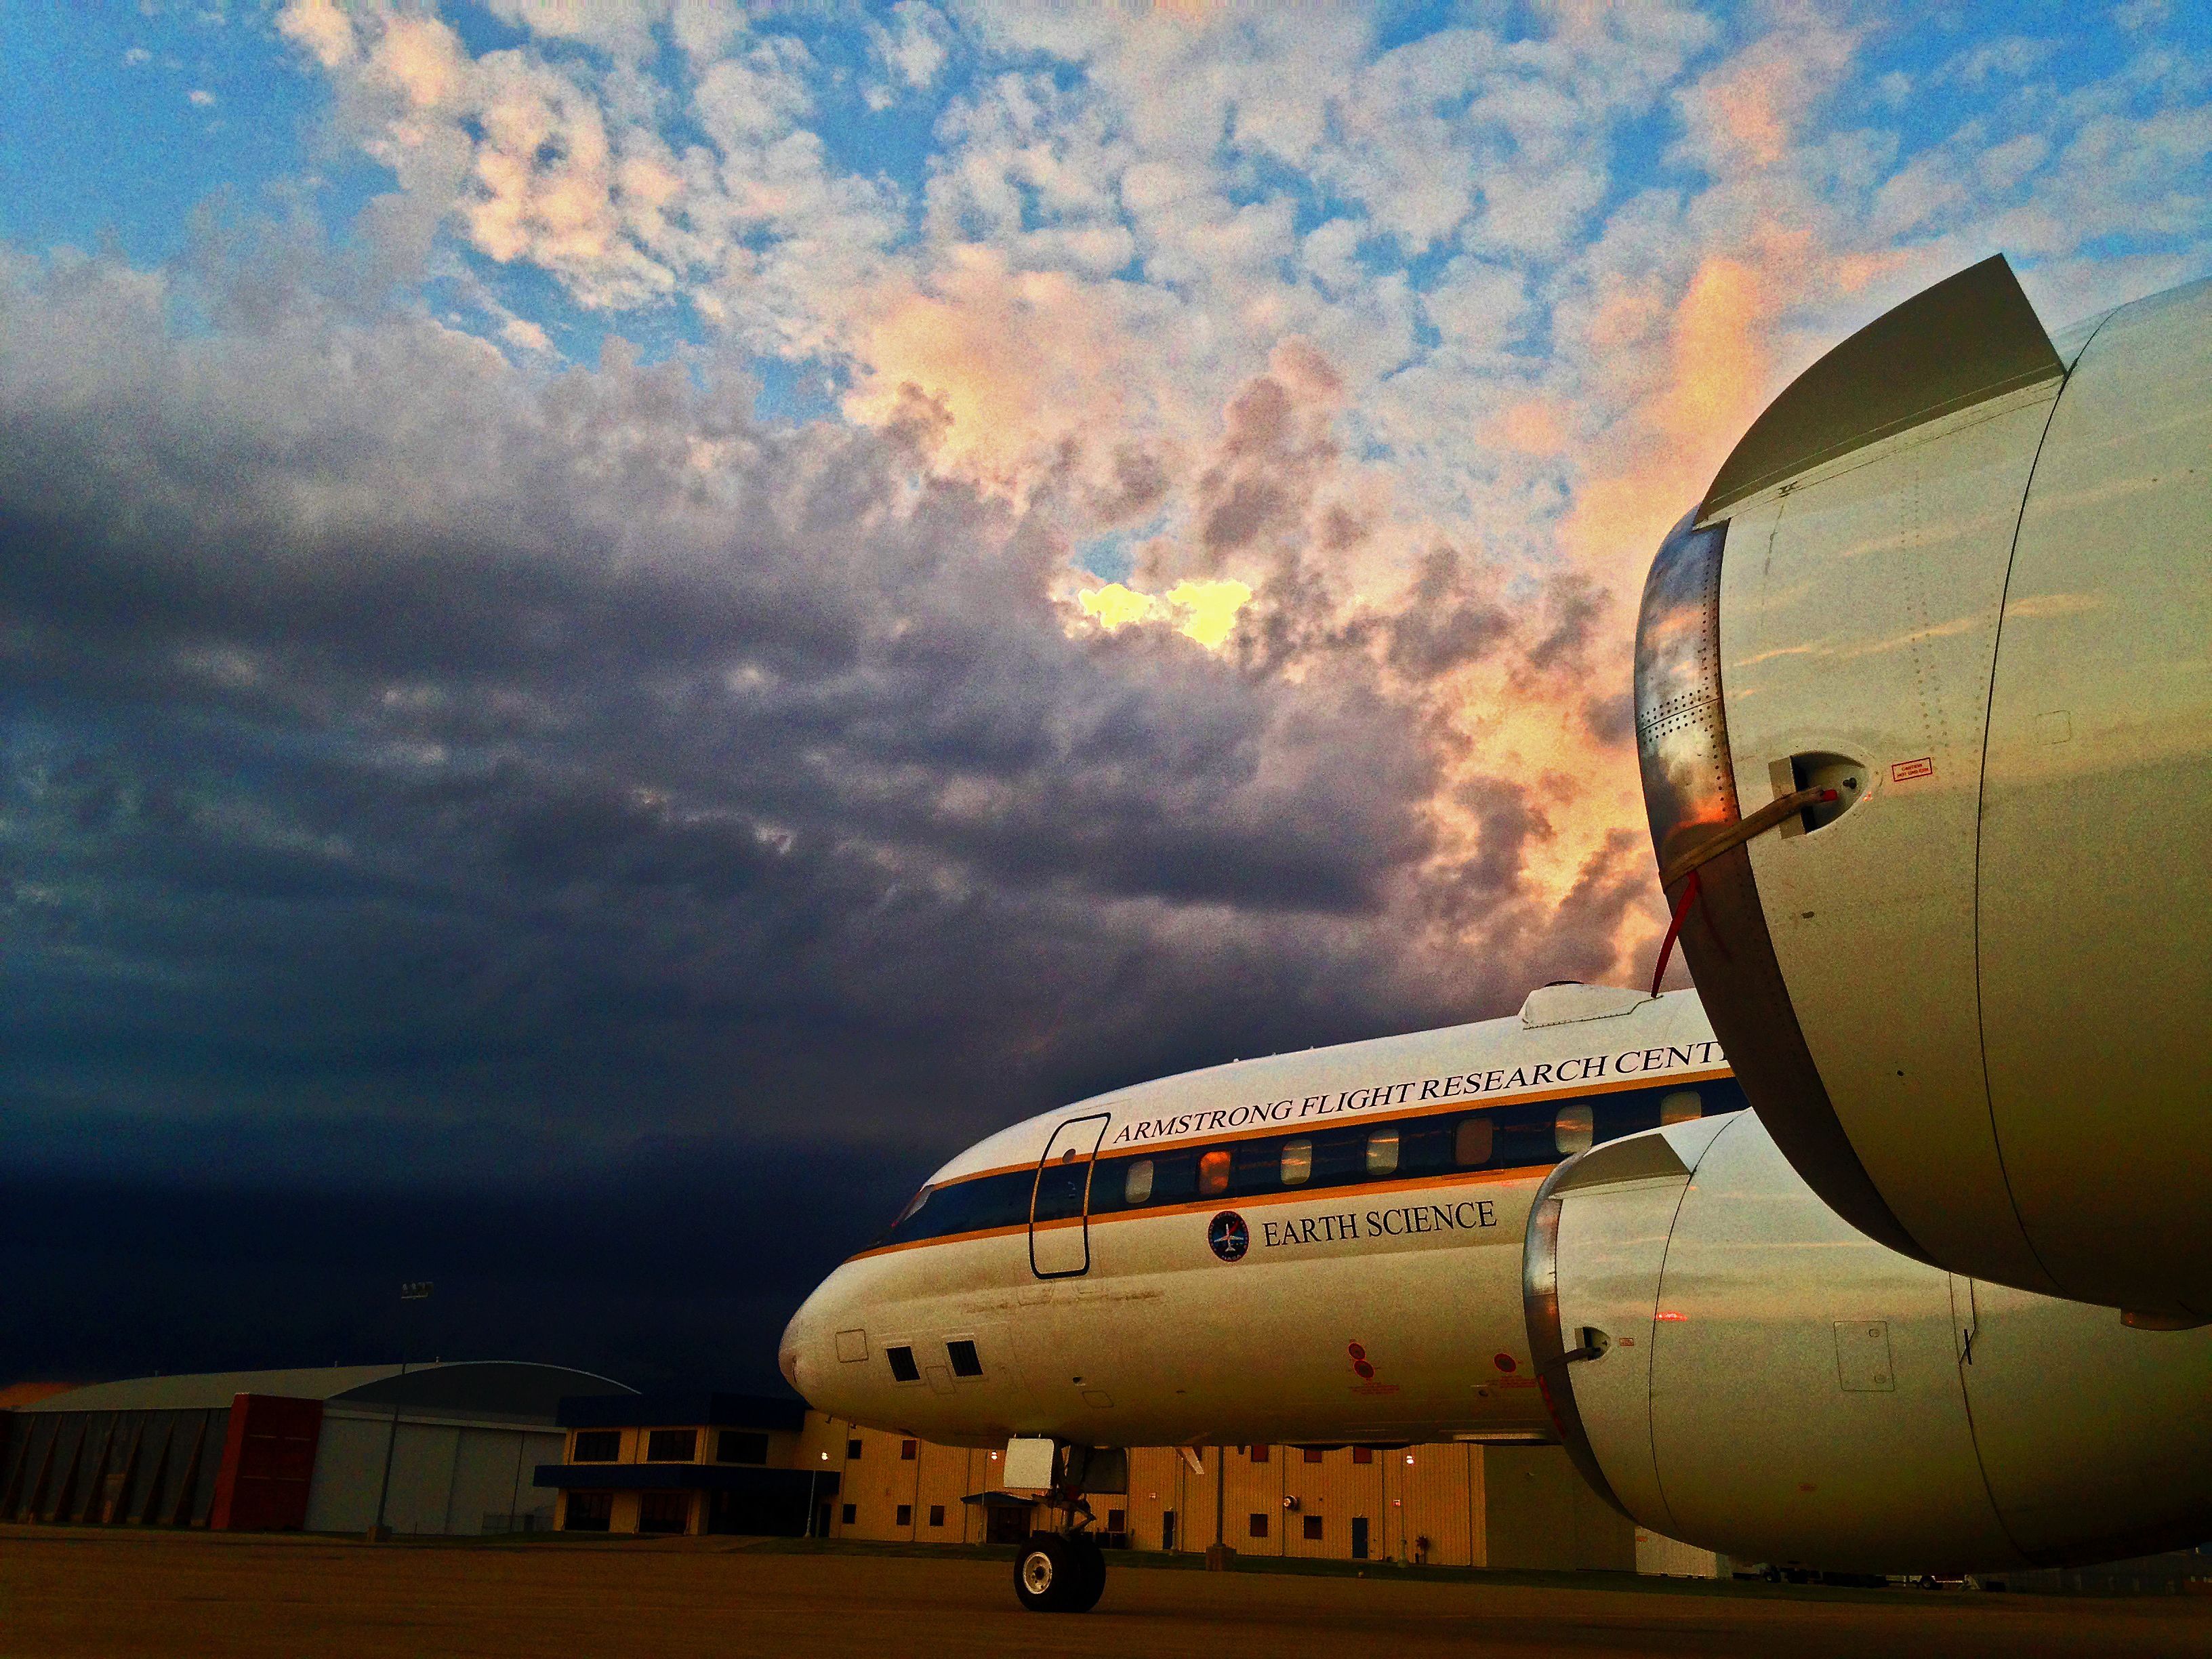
1547,1348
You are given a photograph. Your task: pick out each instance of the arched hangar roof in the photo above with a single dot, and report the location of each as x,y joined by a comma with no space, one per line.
520,1390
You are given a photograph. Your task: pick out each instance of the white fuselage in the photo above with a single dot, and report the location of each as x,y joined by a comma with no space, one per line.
1382,1191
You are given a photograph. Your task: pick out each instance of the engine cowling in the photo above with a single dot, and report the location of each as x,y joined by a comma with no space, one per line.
1957,574
1732,1364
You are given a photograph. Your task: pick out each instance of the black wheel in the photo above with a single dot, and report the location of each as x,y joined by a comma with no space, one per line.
1047,1575
1089,1581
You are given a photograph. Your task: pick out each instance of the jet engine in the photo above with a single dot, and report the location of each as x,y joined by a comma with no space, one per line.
1924,713
1730,1364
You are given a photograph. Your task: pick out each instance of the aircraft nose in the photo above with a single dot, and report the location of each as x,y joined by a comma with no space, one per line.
807,1355
790,1352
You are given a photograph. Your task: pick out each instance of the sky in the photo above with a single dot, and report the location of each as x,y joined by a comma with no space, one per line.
622,625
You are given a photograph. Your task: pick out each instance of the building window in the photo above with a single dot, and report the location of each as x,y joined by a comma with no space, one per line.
1136,1183
908,1451
1571,1131
937,1515
597,1446
1313,1454
1297,1162
903,1369
737,1446
588,1511
671,1445
905,1515
966,1362
1213,1173
1258,1454
1259,1523
1117,1520
1363,1454
852,1452
1473,1142
664,1512
1382,1151
850,1513
1313,1528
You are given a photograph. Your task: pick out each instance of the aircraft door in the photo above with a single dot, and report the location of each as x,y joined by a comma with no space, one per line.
1062,1195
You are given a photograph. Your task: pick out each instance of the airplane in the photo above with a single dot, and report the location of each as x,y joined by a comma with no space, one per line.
1926,769
1560,1227
1956,574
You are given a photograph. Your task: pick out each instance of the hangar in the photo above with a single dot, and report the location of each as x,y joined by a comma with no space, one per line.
440,1449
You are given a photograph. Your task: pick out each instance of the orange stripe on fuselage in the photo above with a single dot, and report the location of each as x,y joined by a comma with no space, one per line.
1226,1200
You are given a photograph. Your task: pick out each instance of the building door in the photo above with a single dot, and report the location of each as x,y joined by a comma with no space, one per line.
1359,1538
1167,1530
1059,1202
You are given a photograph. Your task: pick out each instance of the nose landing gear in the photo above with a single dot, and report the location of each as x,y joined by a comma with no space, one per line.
1060,1572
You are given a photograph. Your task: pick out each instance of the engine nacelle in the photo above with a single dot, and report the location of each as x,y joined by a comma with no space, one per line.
1956,579
1732,1364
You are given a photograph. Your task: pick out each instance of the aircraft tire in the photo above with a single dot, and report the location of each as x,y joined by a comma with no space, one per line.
1090,1583
1048,1575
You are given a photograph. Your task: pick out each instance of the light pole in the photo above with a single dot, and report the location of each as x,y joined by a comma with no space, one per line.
413,1290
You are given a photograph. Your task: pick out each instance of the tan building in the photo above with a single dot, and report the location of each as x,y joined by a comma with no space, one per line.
733,1463
1447,1505
689,1463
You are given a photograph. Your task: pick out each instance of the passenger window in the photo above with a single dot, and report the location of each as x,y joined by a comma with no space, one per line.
903,1369
1473,1143
1683,1106
1382,1151
1572,1130
1213,1173
965,1360
1136,1182
1297,1162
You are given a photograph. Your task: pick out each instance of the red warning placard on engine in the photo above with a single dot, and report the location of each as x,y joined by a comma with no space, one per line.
1904,771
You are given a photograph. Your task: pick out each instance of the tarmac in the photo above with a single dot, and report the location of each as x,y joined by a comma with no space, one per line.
98,1594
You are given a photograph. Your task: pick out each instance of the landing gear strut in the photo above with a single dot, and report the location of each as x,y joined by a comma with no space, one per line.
1060,1572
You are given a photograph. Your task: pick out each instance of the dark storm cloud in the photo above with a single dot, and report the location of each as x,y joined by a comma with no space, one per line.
390,729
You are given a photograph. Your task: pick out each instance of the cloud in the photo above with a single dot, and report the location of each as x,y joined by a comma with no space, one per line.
321,27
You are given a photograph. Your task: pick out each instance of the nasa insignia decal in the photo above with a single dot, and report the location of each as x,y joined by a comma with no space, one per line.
1228,1237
